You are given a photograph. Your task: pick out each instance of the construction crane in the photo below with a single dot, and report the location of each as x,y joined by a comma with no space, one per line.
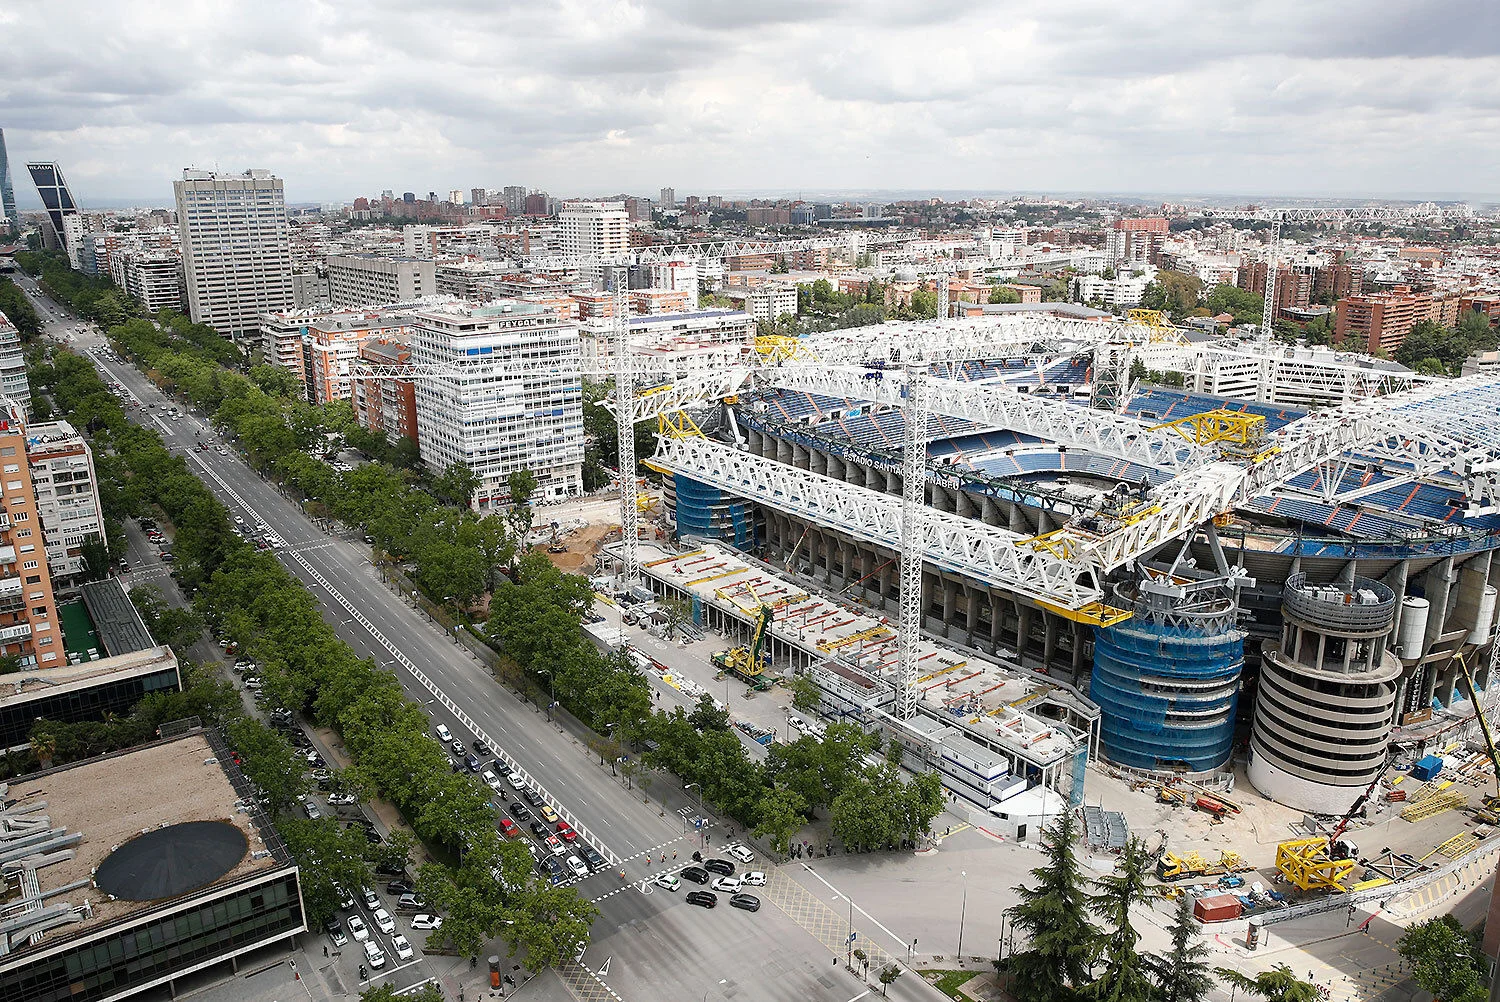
749,662
1484,725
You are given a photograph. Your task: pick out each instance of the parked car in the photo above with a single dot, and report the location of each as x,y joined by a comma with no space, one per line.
372,900
548,814
399,887
509,828
516,780
358,929
342,799
703,899
480,748
471,763
566,833
383,921
490,780
578,866
335,933
755,878
520,811
458,748
555,845
696,874
554,869
410,902
374,955
426,923
729,885
748,902
533,798
591,856
444,735
311,810
540,830
402,947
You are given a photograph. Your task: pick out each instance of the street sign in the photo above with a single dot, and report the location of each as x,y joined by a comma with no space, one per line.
853,936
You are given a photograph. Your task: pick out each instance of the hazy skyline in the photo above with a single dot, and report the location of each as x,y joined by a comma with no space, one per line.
1257,98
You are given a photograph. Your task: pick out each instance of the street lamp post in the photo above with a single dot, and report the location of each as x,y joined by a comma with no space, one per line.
962,911
552,689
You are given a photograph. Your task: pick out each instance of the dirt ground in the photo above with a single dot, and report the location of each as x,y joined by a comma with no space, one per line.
581,547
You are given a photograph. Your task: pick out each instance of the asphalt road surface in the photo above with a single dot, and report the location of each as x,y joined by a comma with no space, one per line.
648,942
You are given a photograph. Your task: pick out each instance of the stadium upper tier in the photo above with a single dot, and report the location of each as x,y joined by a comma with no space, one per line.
1368,498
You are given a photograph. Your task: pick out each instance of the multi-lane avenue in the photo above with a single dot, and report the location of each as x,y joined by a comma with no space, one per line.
648,942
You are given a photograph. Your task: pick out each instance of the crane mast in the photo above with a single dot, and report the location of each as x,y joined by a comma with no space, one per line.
630,548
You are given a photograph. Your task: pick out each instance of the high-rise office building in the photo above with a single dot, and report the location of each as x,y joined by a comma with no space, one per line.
478,196
62,229
236,248
514,197
499,421
7,189
668,199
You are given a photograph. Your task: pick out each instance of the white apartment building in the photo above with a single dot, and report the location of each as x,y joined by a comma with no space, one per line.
494,420
236,248
477,239
152,276
763,302
594,230
67,494
13,383
1123,290
374,280
702,333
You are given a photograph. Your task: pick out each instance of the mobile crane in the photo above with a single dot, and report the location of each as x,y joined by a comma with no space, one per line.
1324,862
749,663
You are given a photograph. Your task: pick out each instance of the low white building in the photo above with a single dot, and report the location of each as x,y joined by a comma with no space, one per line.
515,401
1122,290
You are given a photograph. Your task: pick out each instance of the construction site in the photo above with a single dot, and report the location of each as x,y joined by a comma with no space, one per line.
1237,598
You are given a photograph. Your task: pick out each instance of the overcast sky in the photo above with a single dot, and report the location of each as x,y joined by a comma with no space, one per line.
1379,97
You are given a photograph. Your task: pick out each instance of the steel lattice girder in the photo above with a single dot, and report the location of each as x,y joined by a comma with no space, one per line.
1000,406
964,545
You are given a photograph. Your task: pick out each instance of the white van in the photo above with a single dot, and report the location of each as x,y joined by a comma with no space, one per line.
374,954
444,735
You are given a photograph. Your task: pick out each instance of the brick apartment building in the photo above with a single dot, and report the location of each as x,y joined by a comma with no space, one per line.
386,405
1380,321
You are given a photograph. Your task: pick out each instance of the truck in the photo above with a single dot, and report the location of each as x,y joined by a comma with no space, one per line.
1173,867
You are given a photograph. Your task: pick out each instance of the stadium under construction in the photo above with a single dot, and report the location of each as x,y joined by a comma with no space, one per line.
1269,556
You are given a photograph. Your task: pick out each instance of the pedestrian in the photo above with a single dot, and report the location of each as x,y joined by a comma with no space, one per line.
325,949
674,853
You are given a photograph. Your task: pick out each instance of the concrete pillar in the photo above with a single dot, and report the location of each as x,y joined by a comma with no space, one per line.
997,621
1023,627
1049,638
950,604
973,600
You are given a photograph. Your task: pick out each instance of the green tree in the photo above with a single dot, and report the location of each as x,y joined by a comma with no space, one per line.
95,553
457,485
779,816
1276,985
1181,972
1244,307
1446,959
386,992
1127,973
678,613
1319,331
888,976
806,696
1002,295
268,761
329,858
1053,916
548,923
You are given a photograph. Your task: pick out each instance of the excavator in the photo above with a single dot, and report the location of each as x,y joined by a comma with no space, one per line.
749,663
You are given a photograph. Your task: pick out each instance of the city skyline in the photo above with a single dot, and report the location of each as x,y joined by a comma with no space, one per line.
1373,100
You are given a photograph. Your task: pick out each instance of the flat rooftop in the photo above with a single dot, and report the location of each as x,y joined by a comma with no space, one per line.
111,800
115,618
972,693
35,682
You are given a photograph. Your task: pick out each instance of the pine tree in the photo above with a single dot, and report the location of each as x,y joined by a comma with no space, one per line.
1126,976
1053,914
1182,975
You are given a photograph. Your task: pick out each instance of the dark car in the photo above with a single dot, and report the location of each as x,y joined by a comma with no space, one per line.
391,870
540,830
520,811
480,748
591,856
696,874
722,867
399,887
532,797
749,902
471,763
703,899
556,872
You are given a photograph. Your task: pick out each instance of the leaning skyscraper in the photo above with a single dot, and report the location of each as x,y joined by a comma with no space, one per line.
7,189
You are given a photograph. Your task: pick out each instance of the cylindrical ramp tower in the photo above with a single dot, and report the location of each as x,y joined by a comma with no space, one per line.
1327,696
1166,681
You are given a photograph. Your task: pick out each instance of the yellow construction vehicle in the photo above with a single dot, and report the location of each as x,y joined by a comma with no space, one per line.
749,663
1192,866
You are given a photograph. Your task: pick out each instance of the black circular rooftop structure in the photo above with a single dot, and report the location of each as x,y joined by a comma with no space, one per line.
171,861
